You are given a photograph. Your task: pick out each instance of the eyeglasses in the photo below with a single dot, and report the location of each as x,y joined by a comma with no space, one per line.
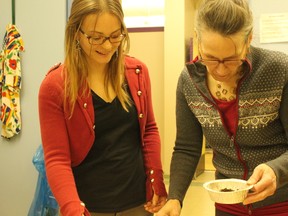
226,63
100,39
229,63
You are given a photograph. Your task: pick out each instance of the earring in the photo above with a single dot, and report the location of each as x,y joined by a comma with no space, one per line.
78,47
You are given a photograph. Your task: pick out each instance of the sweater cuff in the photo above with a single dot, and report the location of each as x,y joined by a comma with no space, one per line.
74,209
155,184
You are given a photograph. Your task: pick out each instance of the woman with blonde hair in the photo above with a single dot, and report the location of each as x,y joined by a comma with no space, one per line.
100,139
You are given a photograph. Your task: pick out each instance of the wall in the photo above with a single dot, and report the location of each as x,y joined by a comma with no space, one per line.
174,58
259,7
179,19
149,48
41,24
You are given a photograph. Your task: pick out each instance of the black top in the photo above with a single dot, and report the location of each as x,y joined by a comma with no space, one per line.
112,176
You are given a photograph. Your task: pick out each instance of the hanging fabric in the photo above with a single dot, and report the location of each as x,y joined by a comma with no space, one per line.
10,82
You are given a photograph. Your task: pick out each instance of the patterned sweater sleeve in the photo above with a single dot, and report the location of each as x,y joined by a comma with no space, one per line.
188,145
279,165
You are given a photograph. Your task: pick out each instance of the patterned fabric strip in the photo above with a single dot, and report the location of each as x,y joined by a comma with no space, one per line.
10,82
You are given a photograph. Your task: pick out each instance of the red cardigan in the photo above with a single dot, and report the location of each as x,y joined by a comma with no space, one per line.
67,141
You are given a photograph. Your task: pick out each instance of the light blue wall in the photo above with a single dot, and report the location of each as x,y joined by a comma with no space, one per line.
41,24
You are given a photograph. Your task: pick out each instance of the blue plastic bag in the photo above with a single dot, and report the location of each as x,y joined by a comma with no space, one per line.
44,203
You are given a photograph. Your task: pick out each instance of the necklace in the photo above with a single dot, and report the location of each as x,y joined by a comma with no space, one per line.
225,91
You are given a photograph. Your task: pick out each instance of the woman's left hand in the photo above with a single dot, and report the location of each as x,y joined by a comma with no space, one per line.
264,181
155,204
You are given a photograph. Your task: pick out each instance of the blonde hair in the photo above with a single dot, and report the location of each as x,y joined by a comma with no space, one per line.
226,17
76,71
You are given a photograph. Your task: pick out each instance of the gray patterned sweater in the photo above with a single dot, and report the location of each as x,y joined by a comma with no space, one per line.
262,131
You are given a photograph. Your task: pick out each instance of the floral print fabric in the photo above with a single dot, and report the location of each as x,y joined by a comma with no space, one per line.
10,82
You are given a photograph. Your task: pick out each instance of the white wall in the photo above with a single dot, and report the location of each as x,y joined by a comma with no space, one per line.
41,24
259,7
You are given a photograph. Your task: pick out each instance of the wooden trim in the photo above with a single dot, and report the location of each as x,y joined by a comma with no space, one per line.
146,29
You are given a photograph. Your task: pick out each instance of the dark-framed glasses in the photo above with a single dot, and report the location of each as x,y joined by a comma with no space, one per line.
227,63
100,39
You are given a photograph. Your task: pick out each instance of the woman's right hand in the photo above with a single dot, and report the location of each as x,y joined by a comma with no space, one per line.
171,208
